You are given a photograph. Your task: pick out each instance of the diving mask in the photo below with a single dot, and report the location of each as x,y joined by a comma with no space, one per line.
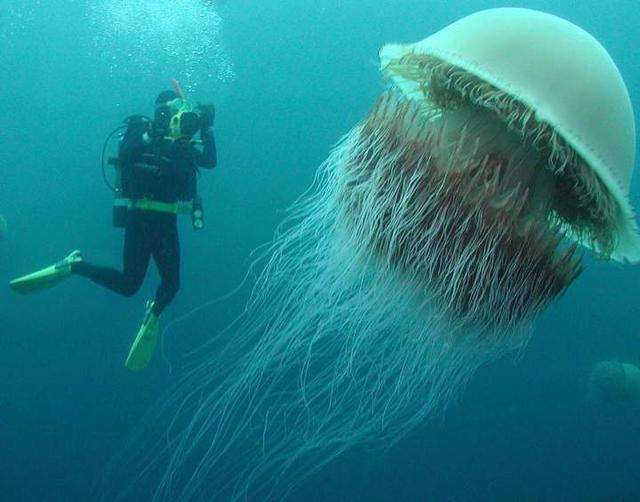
179,118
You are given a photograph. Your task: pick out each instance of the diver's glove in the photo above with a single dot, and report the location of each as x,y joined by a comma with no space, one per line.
207,116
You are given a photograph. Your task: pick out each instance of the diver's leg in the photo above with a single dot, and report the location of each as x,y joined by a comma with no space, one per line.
165,249
166,253
136,255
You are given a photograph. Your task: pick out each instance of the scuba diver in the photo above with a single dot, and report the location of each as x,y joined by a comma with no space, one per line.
157,167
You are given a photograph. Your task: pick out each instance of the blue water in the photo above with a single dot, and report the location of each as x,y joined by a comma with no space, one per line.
288,78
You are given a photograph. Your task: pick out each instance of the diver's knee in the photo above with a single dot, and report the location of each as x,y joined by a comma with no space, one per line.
131,287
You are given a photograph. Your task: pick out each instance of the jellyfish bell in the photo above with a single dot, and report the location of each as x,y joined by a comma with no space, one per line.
434,233
615,382
554,90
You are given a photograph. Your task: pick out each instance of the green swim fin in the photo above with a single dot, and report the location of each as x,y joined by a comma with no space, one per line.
144,345
47,277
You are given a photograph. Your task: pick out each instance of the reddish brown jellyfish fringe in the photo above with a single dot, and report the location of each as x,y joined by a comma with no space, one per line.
453,224
582,201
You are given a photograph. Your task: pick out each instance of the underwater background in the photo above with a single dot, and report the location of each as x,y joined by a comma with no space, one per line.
288,79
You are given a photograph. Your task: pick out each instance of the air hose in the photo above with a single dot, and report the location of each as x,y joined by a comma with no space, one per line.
104,153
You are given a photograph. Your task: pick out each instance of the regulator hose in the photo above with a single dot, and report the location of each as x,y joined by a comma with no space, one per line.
104,153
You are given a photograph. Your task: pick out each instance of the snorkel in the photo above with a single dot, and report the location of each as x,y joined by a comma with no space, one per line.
178,88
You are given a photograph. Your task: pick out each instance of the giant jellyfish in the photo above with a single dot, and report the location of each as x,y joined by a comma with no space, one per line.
434,234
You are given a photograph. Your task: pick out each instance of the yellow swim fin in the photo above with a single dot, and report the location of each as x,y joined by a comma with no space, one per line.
144,345
47,277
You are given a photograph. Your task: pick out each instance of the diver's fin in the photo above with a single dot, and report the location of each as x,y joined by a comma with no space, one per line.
144,345
47,277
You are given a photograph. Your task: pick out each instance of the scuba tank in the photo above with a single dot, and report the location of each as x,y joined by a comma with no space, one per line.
119,211
120,204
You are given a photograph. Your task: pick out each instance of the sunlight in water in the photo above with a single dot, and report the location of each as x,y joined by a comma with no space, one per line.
182,37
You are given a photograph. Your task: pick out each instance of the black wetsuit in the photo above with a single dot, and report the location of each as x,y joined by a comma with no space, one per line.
160,170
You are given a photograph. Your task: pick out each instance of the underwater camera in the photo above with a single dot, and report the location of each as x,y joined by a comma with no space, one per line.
180,118
189,123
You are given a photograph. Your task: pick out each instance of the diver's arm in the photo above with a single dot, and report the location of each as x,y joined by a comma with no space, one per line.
208,157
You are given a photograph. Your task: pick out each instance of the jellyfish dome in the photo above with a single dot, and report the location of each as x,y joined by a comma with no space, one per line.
556,86
434,233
